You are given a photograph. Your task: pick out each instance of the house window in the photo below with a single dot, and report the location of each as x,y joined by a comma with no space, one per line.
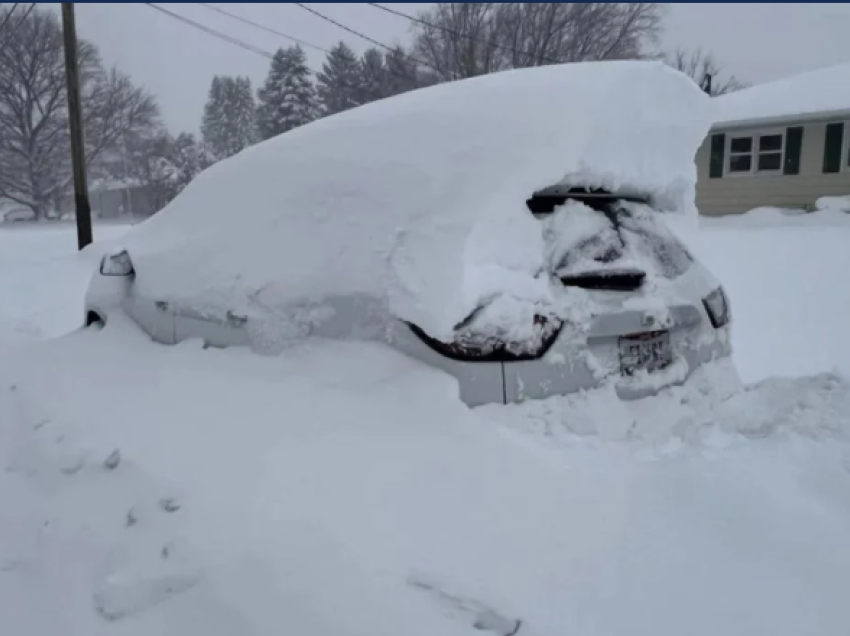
770,152
756,154
740,155
836,147
847,144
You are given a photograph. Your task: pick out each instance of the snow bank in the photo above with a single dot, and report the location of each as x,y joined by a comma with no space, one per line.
418,201
824,90
829,211
343,490
836,204
44,278
828,214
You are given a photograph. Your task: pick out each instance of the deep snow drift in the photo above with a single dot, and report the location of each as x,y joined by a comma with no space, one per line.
342,489
418,201
43,278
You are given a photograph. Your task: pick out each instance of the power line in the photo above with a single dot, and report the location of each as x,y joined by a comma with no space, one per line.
361,35
213,32
27,14
416,20
342,26
267,29
263,27
237,42
8,16
20,22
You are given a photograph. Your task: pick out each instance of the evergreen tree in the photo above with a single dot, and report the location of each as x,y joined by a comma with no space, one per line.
213,122
339,81
228,124
288,97
402,72
373,77
244,113
189,158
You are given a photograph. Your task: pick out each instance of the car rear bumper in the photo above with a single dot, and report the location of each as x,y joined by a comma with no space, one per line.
571,366
595,362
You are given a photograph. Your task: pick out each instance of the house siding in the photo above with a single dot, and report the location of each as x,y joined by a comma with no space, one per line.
738,194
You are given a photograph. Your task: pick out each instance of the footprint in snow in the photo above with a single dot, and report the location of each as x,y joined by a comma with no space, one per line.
140,575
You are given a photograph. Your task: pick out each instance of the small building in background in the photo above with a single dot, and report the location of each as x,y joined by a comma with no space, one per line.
113,199
117,198
781,144
16,214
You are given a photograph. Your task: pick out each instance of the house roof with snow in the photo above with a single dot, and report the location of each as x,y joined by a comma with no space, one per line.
820,94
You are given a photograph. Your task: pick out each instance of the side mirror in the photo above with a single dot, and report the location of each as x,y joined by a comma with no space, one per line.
117,265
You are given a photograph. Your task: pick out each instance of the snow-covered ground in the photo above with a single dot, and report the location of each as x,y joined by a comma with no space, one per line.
343,489
43,279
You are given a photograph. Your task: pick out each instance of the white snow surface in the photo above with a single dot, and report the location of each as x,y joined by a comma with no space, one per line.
342,489
825,90
418,201
830,212
834,204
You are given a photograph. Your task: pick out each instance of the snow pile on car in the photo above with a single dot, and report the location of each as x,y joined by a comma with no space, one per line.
418,201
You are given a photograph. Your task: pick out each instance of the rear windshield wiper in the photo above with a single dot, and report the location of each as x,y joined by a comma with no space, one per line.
606,279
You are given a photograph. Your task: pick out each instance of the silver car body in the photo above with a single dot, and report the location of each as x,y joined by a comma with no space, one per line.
683,330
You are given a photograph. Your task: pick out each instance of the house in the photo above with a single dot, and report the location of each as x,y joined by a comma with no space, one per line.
783,144
114,198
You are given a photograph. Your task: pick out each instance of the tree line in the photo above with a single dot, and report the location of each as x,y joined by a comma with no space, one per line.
126,139
292,95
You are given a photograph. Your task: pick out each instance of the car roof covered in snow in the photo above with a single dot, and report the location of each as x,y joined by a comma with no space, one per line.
419,199
824,92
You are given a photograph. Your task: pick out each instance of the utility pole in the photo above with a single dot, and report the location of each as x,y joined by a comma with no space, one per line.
75,117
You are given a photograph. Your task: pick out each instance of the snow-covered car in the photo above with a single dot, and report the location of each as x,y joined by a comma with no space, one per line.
508,229
18,215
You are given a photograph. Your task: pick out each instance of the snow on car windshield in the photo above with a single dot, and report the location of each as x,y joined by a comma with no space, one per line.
417,201
620,236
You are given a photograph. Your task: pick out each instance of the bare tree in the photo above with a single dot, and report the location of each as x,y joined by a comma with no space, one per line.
35,166
468,39
544,33
705,70
455,38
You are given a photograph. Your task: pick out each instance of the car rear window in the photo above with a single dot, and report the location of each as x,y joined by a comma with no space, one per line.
640,225
619,234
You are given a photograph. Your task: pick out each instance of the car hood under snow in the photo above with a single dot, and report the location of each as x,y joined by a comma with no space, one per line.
418,201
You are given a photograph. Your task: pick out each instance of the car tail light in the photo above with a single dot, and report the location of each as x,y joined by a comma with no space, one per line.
117,265
467,346
717,306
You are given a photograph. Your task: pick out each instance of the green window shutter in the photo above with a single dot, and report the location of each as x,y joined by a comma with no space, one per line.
832,147
718,148
793,148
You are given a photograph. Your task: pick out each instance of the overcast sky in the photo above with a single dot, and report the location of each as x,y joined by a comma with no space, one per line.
758,42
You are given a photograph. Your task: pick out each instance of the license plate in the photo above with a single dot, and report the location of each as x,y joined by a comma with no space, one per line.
645,352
